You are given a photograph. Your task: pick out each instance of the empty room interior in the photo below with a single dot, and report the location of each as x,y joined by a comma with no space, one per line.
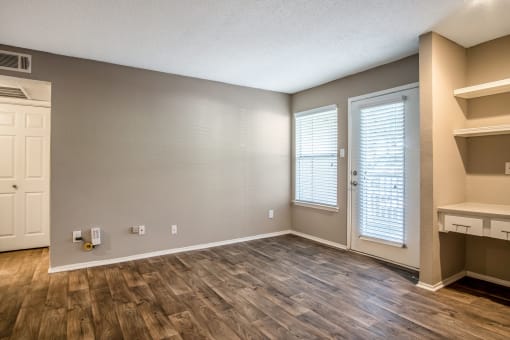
255,169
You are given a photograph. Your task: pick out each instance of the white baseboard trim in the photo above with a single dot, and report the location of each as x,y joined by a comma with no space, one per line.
344,247
89,264
318,239
460,275
487,278
420,284
443,283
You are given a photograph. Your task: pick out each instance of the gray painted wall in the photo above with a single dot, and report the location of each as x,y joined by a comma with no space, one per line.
332,226
133,147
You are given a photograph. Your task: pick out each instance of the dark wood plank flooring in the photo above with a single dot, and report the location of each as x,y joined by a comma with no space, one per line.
279,288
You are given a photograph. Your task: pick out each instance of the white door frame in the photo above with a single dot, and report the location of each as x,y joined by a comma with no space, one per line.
25,102
349,133
45,104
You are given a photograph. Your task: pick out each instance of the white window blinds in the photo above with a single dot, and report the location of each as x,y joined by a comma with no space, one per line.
316,143
382,172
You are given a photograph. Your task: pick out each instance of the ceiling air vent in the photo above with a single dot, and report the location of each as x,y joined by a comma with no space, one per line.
15,61
13,92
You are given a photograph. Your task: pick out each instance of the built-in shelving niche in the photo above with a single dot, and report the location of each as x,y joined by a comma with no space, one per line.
492,220
481,90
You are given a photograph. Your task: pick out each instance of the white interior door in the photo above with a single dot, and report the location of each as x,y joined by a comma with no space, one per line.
24,176
385,175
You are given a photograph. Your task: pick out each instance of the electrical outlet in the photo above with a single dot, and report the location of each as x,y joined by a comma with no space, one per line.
95,236
77,236
270,214
507,168
141,230
174,229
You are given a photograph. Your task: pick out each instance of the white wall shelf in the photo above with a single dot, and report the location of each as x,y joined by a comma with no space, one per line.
486,89
482,131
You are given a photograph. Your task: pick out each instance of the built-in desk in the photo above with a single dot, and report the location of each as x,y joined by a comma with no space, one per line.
479,219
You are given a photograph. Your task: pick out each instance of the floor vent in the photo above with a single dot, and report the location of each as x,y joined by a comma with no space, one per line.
12,92
17,62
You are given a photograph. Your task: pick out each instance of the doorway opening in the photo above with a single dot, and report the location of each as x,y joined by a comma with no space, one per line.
25,125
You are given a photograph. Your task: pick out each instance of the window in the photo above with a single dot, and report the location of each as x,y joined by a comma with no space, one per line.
316,144
382,171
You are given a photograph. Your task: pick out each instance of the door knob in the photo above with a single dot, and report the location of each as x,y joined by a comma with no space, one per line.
354,183
14,186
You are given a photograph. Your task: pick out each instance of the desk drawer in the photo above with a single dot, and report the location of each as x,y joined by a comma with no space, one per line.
464,225
500,229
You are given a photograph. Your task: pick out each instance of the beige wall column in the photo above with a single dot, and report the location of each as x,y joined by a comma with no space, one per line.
442,69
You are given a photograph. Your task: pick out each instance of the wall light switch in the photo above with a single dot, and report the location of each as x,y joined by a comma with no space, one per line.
507,168
270,214
342,153
77,236
174,229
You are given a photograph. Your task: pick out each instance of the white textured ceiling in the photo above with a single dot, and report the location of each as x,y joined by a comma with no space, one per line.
281,45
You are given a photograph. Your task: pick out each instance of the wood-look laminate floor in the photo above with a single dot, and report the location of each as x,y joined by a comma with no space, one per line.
279,288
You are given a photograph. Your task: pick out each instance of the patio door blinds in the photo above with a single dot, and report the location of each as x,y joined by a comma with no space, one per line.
382,172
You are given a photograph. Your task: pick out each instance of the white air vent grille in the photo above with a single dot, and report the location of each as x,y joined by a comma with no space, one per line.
15,61
12,92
